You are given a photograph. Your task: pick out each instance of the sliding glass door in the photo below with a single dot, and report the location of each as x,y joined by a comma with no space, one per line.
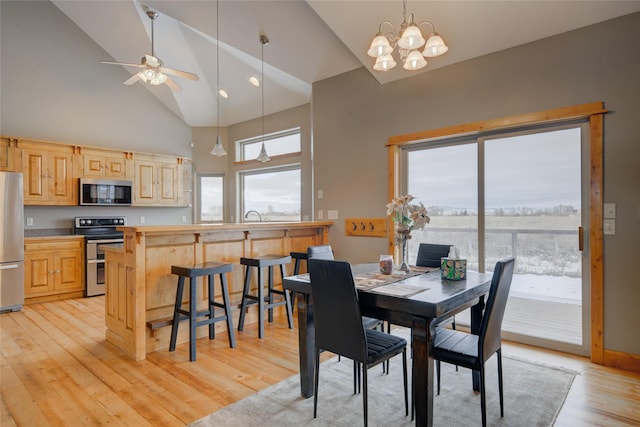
513,194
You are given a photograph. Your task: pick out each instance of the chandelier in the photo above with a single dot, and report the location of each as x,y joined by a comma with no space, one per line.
409,40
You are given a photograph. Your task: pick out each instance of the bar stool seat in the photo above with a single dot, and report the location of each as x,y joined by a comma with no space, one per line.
209,270
264,302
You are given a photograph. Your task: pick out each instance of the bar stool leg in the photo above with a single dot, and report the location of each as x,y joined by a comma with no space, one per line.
212,312
260,304
245,292
227,309
192,319
287,299
270,294
176,314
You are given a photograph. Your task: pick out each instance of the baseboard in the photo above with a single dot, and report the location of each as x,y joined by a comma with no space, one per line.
618,359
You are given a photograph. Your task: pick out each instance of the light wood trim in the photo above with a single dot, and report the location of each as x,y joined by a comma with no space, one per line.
620,360
594,112
548,116
595,239
297,154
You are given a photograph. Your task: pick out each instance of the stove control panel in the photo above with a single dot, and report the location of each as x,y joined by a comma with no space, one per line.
99,221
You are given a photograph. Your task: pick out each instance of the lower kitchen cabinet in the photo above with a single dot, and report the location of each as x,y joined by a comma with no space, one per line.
54,268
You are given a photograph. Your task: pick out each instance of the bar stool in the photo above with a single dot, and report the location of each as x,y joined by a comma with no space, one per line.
208,269
264,302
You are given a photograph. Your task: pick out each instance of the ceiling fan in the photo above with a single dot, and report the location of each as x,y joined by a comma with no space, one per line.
153,69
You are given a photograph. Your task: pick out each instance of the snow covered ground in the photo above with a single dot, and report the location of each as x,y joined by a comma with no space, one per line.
547,288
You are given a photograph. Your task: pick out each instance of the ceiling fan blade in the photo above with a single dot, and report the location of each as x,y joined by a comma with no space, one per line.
180,73
173,85
121,63
133,79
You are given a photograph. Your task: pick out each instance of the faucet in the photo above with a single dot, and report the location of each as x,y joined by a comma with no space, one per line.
255,212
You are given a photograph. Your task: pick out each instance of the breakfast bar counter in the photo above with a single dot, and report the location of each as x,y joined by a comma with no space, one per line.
140,289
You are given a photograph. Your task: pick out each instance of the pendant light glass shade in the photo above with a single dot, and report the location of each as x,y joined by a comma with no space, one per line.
435,46
414,61
384,63
379,46
218,149
263,156
411,38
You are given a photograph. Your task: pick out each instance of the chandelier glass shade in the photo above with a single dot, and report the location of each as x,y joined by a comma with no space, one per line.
408,41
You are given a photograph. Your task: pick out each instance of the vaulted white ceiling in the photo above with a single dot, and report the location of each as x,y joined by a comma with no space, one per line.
309,41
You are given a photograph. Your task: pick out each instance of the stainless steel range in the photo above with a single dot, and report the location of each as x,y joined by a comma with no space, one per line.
98,231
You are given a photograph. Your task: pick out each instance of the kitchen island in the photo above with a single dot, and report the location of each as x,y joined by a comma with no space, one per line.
140,289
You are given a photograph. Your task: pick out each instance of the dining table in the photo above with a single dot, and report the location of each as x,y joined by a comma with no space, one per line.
413,299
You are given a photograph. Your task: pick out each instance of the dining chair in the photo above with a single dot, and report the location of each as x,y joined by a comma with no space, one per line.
339,327
429,255
472,351
326,252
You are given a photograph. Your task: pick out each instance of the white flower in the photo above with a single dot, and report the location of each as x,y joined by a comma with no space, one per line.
407,217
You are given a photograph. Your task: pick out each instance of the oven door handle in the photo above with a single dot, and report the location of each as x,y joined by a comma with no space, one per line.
99,242
95,261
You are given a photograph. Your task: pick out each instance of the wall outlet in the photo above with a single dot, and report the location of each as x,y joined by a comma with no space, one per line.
141,220
609,226
29,221
184,219
609,210
320,215
320,194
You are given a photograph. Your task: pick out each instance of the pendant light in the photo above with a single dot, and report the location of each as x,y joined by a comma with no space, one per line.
263,156
218,149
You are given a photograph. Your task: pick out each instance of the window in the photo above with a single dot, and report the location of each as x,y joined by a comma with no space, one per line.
271,194
210,198
276,144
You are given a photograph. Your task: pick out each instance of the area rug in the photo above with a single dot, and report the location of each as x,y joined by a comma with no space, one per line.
533,396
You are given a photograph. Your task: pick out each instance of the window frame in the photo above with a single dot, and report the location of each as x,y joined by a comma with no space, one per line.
198,204
266,138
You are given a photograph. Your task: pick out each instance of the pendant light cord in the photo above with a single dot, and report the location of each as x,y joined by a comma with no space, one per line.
218,69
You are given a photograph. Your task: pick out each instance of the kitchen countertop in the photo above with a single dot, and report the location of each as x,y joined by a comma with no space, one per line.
220,226
48,232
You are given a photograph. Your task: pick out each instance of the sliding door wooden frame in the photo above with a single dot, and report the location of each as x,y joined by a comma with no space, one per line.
594,112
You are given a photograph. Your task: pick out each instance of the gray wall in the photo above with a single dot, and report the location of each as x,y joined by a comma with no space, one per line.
353,116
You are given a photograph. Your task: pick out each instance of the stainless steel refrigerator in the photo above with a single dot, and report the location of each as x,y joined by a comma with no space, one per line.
11,242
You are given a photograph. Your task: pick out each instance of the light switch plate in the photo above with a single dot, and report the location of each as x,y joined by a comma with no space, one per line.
332,214
609,226
609,211
320,214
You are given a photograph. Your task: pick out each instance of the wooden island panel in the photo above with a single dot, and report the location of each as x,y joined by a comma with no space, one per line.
140,289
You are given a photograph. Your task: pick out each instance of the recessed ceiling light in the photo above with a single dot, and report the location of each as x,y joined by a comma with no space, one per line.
254,81
223,93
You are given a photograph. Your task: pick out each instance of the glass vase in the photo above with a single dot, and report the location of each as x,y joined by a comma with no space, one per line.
404,265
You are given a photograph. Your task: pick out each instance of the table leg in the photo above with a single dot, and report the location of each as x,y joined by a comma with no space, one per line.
306,344
422,341
476,320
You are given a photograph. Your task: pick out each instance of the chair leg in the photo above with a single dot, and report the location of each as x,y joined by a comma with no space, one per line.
192,319
270,293
438,375
483,398
355,377
365,394
317,377
261,305
404,376
212,313
500,382
288,300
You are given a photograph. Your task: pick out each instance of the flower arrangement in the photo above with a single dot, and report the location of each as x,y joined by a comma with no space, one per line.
408,217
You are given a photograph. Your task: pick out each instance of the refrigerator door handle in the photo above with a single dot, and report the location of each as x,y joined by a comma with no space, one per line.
8,266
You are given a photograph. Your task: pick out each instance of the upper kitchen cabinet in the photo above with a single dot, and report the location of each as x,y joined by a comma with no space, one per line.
157,180
10,155
96,163
48,174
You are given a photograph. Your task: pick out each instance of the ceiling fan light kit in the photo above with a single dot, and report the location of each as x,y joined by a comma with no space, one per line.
408,40
153,70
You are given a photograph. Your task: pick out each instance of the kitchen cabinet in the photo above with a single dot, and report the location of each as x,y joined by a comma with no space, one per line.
48,177
156,183
54,268
9,155
104,164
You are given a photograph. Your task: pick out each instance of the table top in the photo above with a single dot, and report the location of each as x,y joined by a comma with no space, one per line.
425,295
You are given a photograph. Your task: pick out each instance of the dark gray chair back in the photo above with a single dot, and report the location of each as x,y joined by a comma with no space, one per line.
429,254
338,323
490,329
320,252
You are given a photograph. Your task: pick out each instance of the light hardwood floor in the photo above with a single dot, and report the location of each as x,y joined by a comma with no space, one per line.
57,369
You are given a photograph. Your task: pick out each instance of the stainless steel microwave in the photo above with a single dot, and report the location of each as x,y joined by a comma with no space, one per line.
105,192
